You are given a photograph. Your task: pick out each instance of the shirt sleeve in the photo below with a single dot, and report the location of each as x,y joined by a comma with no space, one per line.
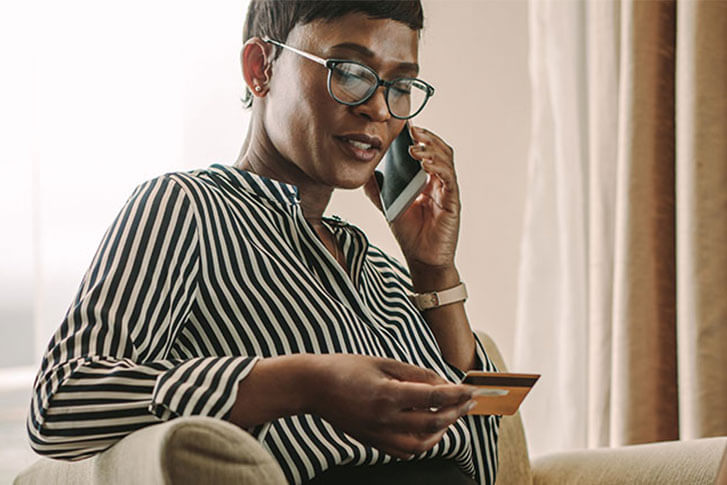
110,368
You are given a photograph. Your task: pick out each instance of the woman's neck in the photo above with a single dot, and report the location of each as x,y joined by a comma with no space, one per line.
260,157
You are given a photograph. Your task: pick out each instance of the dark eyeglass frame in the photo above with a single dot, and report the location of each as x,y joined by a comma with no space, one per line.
330,64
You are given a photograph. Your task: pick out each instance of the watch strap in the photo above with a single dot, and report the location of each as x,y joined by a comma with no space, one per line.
435,299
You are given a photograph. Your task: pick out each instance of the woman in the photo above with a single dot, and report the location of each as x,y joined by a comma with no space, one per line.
224,292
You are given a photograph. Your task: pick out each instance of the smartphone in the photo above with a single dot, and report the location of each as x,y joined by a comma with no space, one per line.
399,176
499,392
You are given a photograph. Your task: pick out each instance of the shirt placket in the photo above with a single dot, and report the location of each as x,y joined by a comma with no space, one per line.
346,292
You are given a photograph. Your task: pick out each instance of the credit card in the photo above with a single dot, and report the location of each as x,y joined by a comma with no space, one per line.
499,393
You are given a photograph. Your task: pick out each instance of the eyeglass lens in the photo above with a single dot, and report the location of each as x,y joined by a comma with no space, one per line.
351,83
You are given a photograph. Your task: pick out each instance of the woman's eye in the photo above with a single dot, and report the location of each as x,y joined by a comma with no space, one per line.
351,76
348,76
401,90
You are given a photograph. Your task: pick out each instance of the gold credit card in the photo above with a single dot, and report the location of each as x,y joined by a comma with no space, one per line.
499,392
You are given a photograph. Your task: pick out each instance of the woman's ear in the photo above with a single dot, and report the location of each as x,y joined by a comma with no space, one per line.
256,58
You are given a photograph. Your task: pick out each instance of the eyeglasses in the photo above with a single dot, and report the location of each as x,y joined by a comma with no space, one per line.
352,83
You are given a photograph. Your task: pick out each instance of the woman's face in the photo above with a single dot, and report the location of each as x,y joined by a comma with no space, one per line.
311,130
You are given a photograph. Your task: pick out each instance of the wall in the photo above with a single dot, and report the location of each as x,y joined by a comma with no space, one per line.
475,54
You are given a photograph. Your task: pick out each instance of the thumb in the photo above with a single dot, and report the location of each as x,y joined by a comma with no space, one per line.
411,373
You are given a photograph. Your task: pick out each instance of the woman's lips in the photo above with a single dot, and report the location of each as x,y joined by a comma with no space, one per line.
362,152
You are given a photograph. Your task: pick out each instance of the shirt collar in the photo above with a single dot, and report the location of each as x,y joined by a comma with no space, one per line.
271,189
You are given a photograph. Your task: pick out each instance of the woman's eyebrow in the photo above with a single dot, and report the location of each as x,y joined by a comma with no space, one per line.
366,52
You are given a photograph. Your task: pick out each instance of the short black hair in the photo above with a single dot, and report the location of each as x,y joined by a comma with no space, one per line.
276,18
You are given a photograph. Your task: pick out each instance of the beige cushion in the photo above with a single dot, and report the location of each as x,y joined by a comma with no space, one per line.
182,451
693,462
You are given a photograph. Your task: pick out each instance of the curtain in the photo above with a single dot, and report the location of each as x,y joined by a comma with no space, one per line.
702,217
550,334
624,250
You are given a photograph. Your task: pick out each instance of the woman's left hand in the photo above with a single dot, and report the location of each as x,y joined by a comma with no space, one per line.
427,231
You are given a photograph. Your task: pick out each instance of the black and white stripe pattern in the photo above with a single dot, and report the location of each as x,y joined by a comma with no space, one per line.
201,274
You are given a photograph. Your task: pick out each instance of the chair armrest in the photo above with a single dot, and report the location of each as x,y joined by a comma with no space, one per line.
182,451
513,466
674,462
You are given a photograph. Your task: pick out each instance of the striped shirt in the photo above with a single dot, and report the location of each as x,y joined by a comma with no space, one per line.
200,275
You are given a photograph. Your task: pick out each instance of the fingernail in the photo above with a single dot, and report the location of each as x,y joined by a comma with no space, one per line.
470,405
469,392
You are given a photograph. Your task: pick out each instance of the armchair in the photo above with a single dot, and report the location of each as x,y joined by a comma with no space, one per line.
198,450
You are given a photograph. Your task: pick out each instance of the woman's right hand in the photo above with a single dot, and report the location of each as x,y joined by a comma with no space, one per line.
396,407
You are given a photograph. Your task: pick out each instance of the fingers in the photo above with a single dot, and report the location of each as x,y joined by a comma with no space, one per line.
411,433
409,445
442,188
429,139
407,372
420,388
420,421
436,158
412,395
444,172
429,152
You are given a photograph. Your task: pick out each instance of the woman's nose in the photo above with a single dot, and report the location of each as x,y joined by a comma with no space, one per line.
375,108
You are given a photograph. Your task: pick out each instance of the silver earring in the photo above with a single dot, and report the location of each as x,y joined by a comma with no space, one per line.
258,88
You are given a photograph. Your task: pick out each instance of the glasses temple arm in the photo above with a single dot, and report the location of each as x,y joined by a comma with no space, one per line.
307,55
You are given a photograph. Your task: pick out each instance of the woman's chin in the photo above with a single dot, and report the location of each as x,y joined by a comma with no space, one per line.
351,181
350,185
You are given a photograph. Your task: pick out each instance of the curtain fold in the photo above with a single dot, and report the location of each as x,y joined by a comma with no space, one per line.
550,337
603,30
623,270
643,360
702,217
